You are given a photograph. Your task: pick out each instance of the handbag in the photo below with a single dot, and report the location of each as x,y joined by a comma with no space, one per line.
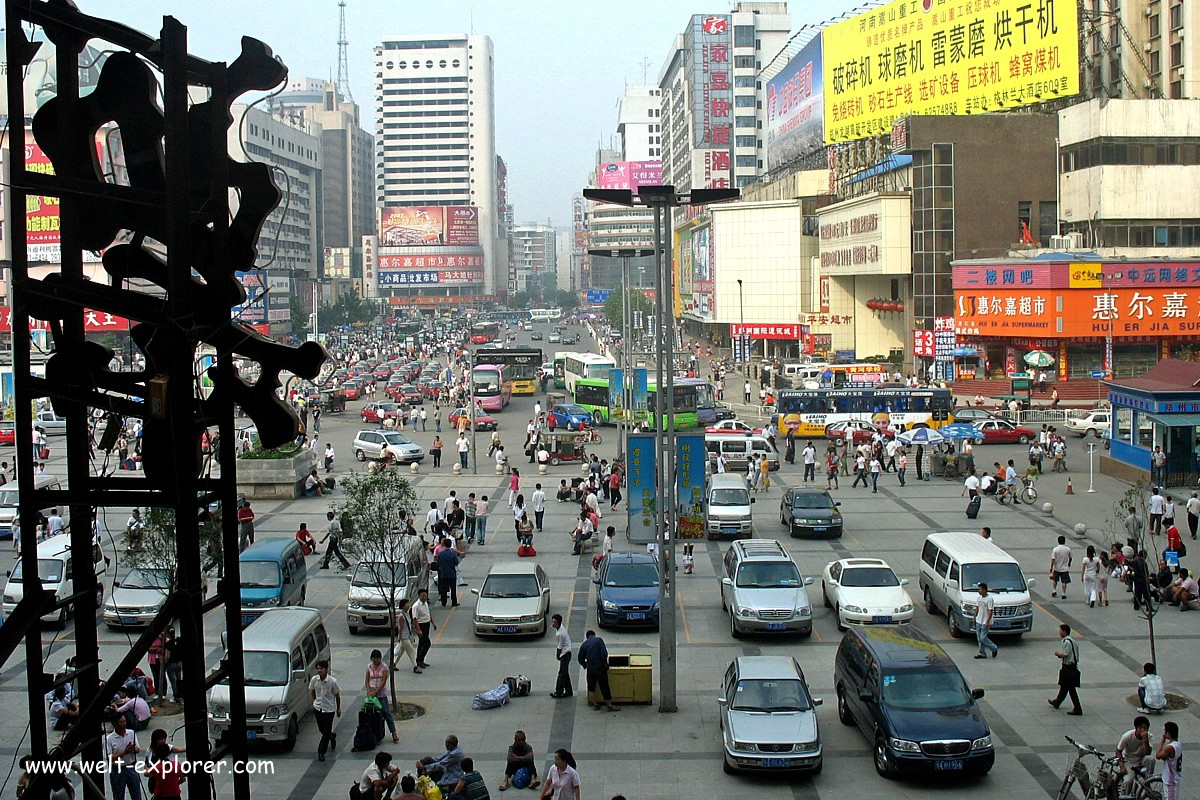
372,705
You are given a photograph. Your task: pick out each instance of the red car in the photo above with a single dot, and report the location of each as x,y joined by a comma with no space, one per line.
8,432
351,389
378,412
486,422
410,394
1001,431
860,432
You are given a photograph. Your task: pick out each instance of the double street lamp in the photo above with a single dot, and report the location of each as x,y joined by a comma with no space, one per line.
659,199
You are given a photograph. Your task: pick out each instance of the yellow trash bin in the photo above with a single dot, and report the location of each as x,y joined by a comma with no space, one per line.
630,676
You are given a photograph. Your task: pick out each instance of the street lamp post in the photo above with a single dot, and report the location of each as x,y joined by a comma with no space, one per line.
659,199
742,319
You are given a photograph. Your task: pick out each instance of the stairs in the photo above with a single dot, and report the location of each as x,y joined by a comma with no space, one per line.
1081,392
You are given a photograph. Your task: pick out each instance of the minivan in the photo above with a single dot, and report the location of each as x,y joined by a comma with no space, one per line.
952,567
407,574
10,495
763,590
273,574
54,568
727,512
737,449
282,649
908,698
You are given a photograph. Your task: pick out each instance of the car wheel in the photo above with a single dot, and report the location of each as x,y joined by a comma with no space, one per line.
825,597
782,521
353,629
733,631
598,417
1023,439
930,606
883,761
844,715
293,732
817,769
952,622
360,455
837,615
725,765
555,461
981,440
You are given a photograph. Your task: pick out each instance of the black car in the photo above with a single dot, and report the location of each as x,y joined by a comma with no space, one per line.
810,512
908,698
569,338
536,336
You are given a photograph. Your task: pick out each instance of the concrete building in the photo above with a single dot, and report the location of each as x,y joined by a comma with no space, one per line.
639,113
1138,49
564,261
535,253
435,159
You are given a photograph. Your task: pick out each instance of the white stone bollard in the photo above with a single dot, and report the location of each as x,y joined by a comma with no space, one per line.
541,469
1080,530
457,468
414,468
1048,508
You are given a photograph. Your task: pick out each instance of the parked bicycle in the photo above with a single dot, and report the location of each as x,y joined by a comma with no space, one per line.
1026,494
1105,783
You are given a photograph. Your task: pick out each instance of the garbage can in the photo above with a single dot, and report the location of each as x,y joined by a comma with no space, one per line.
630,676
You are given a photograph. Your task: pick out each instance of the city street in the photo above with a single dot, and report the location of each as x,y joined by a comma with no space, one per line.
642,753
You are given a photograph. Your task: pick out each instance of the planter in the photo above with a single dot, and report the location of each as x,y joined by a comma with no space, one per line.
275,478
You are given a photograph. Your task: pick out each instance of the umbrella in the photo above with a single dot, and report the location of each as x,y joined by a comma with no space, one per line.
1039,358
921,436
961,430
965,352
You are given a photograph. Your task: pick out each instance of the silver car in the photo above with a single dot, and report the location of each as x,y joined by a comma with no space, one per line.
763,590
370,443
136,600
769,717
514,600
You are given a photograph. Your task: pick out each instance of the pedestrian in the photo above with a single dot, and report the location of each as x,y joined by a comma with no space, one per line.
789,452
562,780
831,469
245,518
902,465
1089,575
406,635
614,488
413,418
525,530
121,749
333,534
1133,527
481,515
437,418
435,450
469,513
971,484
1170,752
1060,567
809,457
520,756
875,467
174,653
375,683
1168,518
380,779
447,561
985,607
920,458
1068,671
157,666
1158,466
422,616
562,652
316,418
593,657
329,454
514,487
464,448
424,419
1102,576
752,472
764,466
746,393
539,505
860,470
326,702
1054,398
1193,513
1139,580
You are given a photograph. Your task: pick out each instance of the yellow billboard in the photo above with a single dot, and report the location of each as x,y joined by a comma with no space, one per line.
938,57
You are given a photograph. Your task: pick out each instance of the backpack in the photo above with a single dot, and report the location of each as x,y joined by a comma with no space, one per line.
520,686
521,778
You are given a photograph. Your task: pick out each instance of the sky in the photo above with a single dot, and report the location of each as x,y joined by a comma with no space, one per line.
560,65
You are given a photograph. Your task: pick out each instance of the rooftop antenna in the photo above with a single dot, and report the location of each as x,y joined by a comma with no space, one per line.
645,69
343,72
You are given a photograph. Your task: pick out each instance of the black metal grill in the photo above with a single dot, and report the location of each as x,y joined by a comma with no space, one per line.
951,747
775,748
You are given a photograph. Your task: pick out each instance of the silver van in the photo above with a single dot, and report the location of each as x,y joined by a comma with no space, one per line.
951,569
282,649
737,448
402,575
763,590
54,564
727,510
10,495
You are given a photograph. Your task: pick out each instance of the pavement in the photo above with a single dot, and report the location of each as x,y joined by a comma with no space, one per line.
643,753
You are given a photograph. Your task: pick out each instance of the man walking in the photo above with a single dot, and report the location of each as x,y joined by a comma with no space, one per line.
422,617
333,534
447,565
1060,567
121,749
593,657
748,389
860,470
562,652
464,448
326,702
1068,671
1158,504
539,506
809,455
985,606
1193,513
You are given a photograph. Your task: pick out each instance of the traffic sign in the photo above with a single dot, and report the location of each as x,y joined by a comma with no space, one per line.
1099,374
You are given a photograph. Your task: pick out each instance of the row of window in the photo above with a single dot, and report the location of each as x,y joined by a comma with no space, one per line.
1176,20
415,64
407,181
423,158
393,125
381,147
278,141
425,136
423,193
430,90
1131,150
1142,233
431,79
425,44
458,112
442,101
428,169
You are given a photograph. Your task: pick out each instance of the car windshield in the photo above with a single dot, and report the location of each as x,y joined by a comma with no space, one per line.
768,575
378,573
919,689
998,577
628,575
576,410
510,586
50,570
9,498
869,576
397,438
147,579
812,501
729,497
266,668
259,574
787,694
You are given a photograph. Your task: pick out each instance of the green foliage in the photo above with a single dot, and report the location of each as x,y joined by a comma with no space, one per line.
155,547
518,300
566,300
349,309
279,453
299,317
615,303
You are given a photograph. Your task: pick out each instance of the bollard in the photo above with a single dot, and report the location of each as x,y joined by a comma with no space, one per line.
414,468
1048,508
541,469
499,469
457,468
1080,530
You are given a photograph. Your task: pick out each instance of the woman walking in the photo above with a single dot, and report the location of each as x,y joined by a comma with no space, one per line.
562,780
1102,579
375,683
764,465
514,486
1089,574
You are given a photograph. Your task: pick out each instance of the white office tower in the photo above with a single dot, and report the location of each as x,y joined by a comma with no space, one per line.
639,123
440,227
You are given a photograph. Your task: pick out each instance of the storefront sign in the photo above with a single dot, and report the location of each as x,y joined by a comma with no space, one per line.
1077,275
826,319
823,288
866,235
616,393
692,466
429,262
423,226
1025,276
756,331
1072,313
641,489
923,344
93,322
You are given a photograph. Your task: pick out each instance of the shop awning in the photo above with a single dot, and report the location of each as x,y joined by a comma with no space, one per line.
1174,420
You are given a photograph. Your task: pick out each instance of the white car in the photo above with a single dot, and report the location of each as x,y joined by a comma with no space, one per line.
732,426
1094,423
136,600
514,600
865,591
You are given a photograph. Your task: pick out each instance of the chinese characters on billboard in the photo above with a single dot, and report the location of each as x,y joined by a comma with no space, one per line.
628,174
710,78
795,107
946,57
425,226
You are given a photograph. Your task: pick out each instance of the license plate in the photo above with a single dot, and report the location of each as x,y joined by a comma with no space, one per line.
128,621
1001,623
636,615
775,626
774,762
881,619
251,735
506,629
246,620
375,620
951,764
820,529
729,530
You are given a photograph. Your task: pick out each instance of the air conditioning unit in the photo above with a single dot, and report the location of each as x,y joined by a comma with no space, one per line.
1060,243
1148,46
1148,84
1148,11
1076,240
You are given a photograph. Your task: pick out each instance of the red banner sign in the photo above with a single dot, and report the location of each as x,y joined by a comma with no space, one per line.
765,331
93,322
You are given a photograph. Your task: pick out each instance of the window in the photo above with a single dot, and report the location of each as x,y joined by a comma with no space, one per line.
746,161
1047,220
743,36
743,62
1155,27
744,141
744,122
743,82
1024,210
744,101
1155,62
1177,54
1177,16
650,112
1176,90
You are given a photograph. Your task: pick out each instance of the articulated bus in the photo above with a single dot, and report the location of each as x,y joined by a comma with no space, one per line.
584,365
484,332
492,389
808,411
520,367
545,314
695,401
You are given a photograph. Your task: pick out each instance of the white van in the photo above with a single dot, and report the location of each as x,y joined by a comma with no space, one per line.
367,601
54,568
737,449
803,376
952,567
727,510
10,495
282,648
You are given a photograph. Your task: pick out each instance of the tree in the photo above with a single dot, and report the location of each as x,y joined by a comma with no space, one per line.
615,303
299,315
348,309
154,549
1135,498
566,300
518,299
373,513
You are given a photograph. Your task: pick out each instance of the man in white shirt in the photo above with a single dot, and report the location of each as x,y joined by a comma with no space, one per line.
1158,504
432,517
987,483
809,456
593,502
448,504
562,652
121,749
1193,513
464,448
1170,752
54,523
890,448
970,485
1152,696
985,606
422,617
720,463
539,506
1060,567
326,702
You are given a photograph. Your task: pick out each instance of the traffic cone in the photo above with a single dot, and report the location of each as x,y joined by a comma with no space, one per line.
1070,488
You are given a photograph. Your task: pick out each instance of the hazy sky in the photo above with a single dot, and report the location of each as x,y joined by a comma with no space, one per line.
561,65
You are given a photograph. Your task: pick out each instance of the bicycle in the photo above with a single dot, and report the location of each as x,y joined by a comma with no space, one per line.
1106,783
1026,494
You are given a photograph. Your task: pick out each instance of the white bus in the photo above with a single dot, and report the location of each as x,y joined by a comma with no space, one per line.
584,365
545,314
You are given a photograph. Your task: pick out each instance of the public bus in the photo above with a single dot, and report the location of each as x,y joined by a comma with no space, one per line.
584,365
808,411
491,387
521,366
560,362
545,314
484,332
695,401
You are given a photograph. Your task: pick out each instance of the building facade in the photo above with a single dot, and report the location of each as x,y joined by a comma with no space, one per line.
535,252
639,123
441,227
1138,49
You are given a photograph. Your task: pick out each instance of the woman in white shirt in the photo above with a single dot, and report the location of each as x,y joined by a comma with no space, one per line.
562,781
1089,575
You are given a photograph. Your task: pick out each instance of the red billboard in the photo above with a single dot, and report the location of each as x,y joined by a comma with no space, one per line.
93,322
425,226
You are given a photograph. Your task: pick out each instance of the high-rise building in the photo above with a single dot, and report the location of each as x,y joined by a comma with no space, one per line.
535,255
441,228
639,123
1138,49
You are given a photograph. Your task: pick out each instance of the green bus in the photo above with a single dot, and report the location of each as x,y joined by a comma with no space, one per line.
690,396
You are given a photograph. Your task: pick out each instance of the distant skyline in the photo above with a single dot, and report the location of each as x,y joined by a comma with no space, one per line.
560,67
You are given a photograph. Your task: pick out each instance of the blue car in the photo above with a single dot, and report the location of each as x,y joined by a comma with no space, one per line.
627,590
572,417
